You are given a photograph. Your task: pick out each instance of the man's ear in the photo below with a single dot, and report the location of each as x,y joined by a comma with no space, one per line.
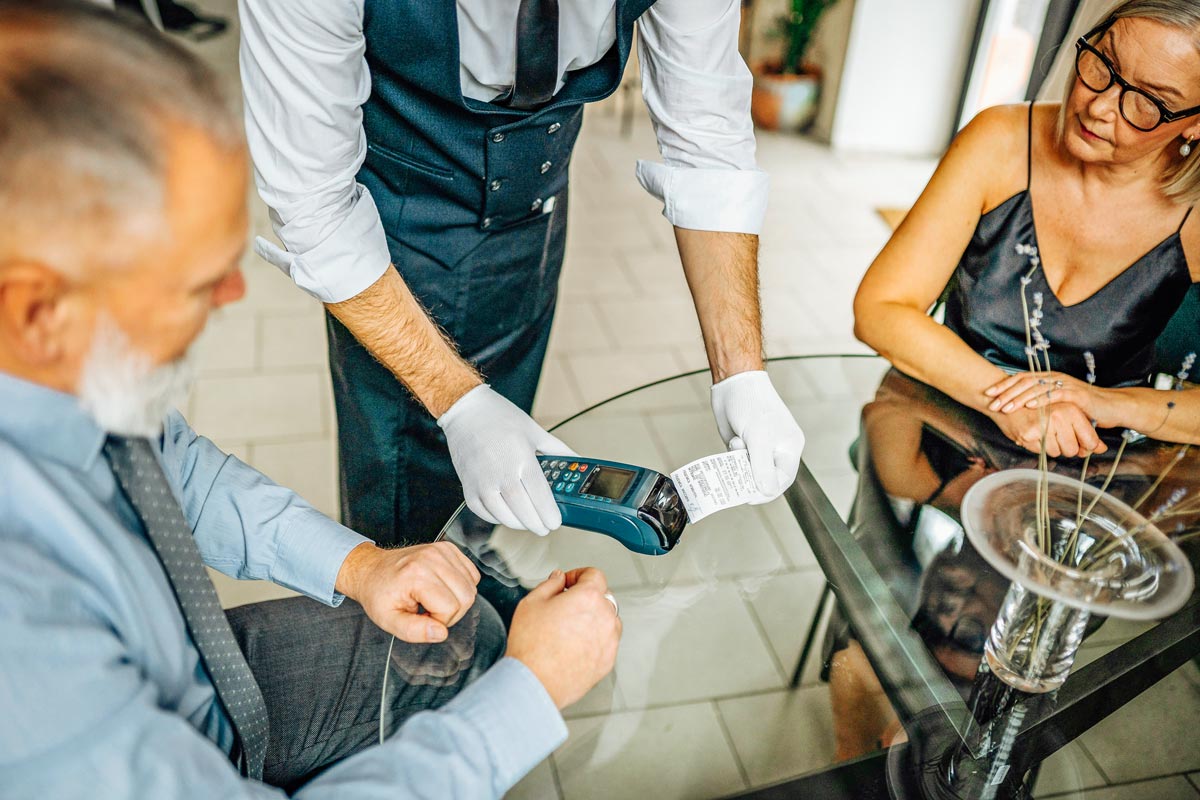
32,319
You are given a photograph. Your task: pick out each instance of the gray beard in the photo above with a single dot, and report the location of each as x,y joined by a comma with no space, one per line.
122,391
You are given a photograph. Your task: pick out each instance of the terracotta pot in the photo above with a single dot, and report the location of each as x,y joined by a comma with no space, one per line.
784,102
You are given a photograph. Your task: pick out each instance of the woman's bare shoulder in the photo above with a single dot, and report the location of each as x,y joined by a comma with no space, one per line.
996,143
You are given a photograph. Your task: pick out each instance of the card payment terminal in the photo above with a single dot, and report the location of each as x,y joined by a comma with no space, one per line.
638,507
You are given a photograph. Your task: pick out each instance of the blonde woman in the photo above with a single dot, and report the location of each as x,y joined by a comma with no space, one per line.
1102,186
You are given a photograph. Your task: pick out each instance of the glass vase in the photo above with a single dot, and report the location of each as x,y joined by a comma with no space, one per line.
1070,550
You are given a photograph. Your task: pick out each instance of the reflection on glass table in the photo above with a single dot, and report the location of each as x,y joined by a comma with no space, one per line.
704,701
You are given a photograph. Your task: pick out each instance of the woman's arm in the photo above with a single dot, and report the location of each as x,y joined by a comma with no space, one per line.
891,307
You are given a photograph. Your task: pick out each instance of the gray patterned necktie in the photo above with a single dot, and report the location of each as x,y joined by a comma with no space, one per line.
141,478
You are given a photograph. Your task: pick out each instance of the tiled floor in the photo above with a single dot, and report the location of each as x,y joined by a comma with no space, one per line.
625,319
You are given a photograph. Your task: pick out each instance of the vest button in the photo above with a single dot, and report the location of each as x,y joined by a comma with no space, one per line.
497,137
487,222
537,203
554,126
545,167
495,185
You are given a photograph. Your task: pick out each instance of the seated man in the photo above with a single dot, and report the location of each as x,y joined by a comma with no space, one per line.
123,194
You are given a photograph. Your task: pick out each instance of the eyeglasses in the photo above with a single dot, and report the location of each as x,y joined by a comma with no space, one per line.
1140,109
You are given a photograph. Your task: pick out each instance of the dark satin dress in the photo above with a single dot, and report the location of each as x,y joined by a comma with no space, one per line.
1118,324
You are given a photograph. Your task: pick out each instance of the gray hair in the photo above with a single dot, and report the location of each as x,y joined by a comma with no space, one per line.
86,98
1180,181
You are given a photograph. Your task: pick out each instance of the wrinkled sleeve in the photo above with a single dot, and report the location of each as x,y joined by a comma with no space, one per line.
248,527
697,90
304,80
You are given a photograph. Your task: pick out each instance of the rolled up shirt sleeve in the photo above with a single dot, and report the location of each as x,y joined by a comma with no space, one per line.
697,90
304,80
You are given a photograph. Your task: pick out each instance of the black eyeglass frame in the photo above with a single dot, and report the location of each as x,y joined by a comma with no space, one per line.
1164,114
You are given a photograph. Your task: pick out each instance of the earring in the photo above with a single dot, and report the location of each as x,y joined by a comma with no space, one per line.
1186,149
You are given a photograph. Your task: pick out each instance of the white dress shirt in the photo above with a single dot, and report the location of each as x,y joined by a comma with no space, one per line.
305,79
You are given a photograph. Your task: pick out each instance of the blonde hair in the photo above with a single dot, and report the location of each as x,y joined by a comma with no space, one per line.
1180,181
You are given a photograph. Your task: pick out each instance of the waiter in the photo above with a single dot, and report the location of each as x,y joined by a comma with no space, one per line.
414,156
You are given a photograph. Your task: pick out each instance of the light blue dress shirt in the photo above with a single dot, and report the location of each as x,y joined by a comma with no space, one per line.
102,693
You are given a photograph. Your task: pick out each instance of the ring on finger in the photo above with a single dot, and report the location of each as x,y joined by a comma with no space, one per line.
616,606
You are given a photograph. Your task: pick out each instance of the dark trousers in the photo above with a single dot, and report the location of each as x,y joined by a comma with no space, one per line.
397,483
321,674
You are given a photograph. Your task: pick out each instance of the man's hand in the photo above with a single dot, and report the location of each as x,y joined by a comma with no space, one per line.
751,415
494,447
1068,430
392,586
567,639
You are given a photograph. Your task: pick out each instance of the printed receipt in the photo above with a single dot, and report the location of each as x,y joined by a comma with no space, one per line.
714,483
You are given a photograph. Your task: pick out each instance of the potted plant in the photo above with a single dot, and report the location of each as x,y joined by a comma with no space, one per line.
786,89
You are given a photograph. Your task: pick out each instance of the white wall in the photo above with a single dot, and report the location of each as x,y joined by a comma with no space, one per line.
905,65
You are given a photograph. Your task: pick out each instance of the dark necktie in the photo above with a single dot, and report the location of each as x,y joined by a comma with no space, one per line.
537,55
141,478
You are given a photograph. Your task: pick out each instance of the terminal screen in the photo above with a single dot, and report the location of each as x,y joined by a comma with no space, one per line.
609,482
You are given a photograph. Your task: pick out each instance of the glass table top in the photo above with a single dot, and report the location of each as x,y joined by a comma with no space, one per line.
701,702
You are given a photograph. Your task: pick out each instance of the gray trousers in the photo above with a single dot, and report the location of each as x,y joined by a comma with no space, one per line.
321,674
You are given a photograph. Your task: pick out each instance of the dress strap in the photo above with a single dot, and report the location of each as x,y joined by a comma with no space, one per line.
1029,150
1187,214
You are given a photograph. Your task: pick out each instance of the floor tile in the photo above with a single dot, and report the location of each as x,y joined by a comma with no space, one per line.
1140,740
577,328
557,398
308,467
595,276
227,344
687,642
782,734
601,375
685,436
647,323
655,273
623,437
1068,770
259,406
1173,788
778,516
676,753
733,542
603,698
293,340
269,290
785,606
537,785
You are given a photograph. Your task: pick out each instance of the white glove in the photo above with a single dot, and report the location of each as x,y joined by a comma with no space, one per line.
493,445
751,416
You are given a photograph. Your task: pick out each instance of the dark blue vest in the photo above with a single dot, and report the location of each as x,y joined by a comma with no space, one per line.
447,171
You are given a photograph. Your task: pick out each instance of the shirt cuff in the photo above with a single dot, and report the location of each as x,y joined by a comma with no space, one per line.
310,555
521,723
728,200
347,262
